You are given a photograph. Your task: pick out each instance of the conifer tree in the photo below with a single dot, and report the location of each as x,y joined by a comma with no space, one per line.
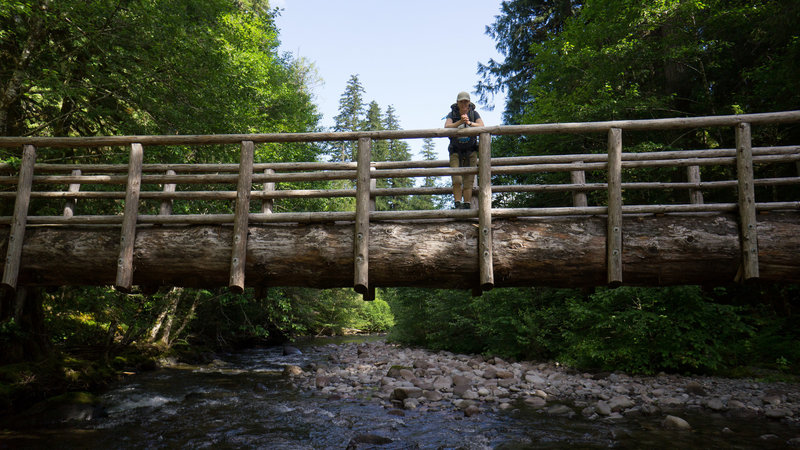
350,117
429,154
374,122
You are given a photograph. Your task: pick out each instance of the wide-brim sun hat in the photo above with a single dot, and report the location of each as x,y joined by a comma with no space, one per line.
463,95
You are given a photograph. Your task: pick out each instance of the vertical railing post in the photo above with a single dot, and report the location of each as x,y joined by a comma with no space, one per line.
269,186
69,207
578,177
128,234
614,233
361,238
485,212
166,205
373,184
16,235
747,203
240,221
693,176
373,206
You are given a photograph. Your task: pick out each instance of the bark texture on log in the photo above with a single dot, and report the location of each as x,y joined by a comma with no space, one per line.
564,251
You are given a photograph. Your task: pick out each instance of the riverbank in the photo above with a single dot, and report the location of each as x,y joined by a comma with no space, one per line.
403,379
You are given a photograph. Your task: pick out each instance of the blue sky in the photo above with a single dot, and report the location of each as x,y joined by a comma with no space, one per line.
415,55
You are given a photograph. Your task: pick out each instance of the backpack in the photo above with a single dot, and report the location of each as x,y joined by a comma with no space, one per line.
463,144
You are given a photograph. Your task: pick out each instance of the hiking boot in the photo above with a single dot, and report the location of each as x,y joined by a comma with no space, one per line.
458,205
466,205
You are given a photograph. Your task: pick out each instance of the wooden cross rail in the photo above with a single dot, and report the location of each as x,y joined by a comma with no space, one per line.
139,180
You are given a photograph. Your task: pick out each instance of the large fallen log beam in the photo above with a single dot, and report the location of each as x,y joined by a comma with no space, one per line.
555,251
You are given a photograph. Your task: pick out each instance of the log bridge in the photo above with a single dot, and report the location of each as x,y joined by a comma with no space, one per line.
248,241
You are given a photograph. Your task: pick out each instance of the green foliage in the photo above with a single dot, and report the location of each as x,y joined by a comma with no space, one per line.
335,310
646,330
637,330
374,316
507,322
148,67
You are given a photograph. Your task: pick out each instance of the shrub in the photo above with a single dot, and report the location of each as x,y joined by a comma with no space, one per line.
646,330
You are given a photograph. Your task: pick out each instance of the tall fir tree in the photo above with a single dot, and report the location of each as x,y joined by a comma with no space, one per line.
520,24
374,122
428,154
351,117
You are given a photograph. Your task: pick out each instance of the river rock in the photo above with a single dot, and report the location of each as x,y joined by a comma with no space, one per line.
421,364
773,398
292,371
433,396
402,393
620,403
560,410
410,403
471,410
506,382
442,382
676,423
461,380
650,409
394,371
535,379
407,375
290,350
693,387
469,394
535,402
321,381
777,413
504,374
715,404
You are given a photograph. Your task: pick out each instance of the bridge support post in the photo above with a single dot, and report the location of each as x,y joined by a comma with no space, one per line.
747,203
693,176
166,205
485,212
69,207
578,177
614,233
128,234
269,186
240,223
16,236
361,238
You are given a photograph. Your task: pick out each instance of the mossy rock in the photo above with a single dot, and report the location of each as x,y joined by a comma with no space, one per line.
67,407
394,371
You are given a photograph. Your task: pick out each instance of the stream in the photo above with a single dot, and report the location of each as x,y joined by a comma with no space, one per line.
243,400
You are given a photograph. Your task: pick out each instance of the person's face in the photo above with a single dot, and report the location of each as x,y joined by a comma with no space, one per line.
463,105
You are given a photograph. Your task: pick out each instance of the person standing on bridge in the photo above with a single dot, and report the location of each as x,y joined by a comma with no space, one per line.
463,150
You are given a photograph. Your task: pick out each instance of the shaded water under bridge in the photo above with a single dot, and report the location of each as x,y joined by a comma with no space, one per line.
245,241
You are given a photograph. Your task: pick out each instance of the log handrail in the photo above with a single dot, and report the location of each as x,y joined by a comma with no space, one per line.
268,182
498,130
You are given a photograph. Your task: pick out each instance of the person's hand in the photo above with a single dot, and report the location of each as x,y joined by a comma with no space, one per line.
465,119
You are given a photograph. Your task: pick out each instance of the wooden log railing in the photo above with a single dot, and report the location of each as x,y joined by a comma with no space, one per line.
157,182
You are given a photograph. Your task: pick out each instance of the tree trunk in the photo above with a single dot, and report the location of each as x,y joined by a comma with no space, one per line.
164,320
23,318
556,251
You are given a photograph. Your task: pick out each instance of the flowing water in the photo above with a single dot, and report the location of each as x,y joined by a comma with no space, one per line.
247,403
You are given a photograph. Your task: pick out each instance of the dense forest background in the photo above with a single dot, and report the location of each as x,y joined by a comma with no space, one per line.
102,67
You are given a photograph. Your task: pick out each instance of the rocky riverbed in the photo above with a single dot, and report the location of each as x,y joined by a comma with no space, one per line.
404,379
